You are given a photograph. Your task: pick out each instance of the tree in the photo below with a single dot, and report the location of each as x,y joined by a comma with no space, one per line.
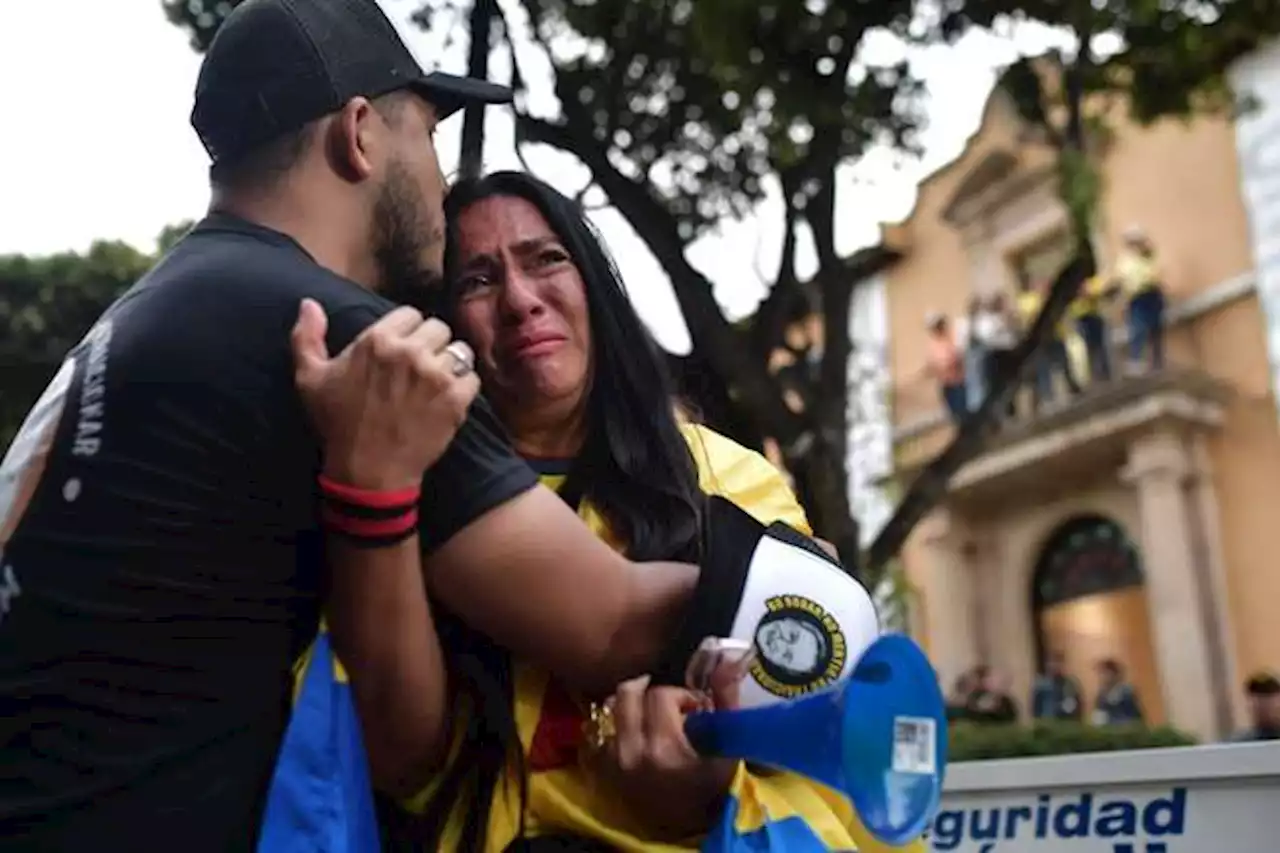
685,112
46,306
1168,60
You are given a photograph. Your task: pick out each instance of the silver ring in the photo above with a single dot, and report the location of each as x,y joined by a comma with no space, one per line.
464,361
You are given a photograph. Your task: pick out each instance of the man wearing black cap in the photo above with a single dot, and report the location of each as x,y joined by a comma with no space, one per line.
160,565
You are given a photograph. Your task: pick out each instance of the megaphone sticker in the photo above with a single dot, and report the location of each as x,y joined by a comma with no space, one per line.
800,647
915,745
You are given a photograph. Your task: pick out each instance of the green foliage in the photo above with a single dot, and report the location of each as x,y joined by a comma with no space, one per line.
171,235
895,595
970,742
700,101
46,306
199,18
1080,185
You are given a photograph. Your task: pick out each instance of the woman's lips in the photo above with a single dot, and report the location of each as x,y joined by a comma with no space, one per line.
537,348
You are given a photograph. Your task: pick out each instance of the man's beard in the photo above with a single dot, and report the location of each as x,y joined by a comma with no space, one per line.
403,231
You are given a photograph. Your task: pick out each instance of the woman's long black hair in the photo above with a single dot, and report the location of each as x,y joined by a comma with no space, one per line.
635,469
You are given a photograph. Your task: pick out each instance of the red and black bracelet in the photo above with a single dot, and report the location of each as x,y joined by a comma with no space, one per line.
369,518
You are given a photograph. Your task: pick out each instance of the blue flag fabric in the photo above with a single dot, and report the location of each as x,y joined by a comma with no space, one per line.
321,798
761,833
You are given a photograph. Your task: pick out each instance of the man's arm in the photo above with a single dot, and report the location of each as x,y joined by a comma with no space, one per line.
533,577
380,621
397,373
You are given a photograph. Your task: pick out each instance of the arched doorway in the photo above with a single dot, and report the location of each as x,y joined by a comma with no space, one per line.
1089,599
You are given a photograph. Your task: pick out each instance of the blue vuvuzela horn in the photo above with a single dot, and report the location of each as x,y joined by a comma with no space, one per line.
880,738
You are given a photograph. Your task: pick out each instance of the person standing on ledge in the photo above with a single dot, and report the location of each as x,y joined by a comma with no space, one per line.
945,365
1140,279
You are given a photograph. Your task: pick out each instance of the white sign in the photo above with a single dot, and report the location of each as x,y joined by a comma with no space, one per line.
1194,800
1257,77
870,456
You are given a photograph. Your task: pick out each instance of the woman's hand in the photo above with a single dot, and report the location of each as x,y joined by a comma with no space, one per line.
652,766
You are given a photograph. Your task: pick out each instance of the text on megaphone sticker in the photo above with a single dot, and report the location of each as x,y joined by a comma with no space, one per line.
915,745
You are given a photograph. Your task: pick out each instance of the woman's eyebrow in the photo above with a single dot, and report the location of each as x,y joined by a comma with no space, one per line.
481,260
533,244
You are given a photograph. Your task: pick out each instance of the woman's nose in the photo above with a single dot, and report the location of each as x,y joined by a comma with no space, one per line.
520,297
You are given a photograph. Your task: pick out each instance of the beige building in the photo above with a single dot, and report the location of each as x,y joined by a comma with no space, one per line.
1140,522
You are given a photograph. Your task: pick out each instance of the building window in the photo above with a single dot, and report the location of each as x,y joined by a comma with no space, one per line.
1085,556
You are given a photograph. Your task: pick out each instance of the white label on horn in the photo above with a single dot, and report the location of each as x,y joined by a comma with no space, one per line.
915,745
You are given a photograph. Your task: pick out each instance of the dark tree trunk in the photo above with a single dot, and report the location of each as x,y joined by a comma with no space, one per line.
826,472
707,396
471,161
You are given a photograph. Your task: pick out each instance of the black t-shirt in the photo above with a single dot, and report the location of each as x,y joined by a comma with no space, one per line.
161,571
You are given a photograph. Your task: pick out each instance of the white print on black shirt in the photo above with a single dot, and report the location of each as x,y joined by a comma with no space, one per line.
21,470
89,422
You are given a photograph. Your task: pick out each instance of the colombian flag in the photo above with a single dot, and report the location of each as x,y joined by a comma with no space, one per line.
321,798
776,812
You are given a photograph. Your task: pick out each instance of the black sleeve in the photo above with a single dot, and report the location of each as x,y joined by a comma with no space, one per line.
479,471
346,323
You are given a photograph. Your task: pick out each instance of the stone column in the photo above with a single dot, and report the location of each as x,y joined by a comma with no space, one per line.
949,606
1159,467
1213,579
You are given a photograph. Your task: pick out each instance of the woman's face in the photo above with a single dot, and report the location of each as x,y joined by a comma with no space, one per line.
522,305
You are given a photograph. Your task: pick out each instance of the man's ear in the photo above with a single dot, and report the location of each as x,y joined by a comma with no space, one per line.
351,140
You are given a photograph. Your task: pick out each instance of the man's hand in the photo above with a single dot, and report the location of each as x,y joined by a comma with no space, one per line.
388,405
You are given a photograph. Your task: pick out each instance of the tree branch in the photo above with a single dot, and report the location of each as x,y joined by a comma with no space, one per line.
771,316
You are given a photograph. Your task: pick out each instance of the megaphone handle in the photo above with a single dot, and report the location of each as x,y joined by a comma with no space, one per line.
702,734
802,735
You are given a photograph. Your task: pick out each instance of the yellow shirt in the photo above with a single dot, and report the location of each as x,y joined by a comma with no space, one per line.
1137,274
1029,304
1089,300
564,798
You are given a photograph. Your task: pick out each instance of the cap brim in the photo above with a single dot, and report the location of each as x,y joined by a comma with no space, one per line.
449,93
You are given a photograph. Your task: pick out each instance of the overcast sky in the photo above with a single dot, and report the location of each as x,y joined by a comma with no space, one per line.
96,144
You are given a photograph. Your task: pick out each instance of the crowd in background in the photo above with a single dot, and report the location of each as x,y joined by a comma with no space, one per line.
981,695
966,354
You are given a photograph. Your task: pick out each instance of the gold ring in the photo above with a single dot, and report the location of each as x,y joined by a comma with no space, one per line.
600,727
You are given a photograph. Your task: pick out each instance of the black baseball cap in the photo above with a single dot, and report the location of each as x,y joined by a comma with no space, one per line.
275,65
